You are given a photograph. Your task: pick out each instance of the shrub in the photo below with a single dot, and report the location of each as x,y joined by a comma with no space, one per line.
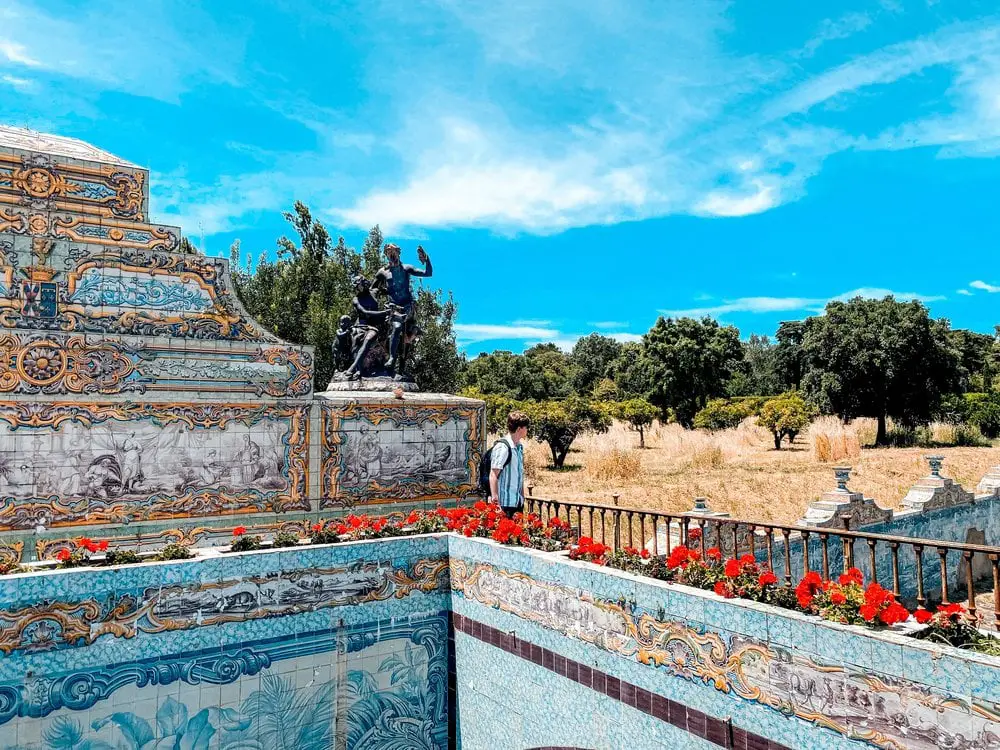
122,557
243,542
175,552
711,457
285,539
982,410
902,437
80,554
723,414
589,550
785,417
638,413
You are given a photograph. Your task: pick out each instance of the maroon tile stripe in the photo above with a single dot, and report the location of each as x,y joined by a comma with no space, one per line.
718,731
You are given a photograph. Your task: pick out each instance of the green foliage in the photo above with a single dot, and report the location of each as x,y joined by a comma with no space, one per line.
121,557
630,371
187,247
553,370
785,416
285,539
606,390
789,358
981,410
723,414
301,295
497,408
175,552
245,543
689,362
976,353
638,413
880,358
591,358
759,374
542,372
558,423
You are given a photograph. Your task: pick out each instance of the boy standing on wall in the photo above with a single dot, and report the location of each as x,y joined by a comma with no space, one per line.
507,466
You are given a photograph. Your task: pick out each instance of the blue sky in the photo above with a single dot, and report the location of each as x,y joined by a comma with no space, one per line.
570,165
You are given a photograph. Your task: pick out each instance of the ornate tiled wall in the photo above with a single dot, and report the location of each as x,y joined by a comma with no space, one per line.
382,450
137,397
325,647
787,678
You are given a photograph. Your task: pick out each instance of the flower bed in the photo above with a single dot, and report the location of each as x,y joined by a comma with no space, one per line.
845,600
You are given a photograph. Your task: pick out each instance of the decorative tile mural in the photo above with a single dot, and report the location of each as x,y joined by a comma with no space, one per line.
57,364
220,659
70,462
51,625
56,285
882,710
390,451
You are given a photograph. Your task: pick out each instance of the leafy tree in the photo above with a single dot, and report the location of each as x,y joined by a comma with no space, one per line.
606,390
187,247
789,359
880,358
723,414
690,361
503,373
301,295
639,414
497,408
553,370
785,417
630,371
558,423
976,352
982,410
759,374
591,357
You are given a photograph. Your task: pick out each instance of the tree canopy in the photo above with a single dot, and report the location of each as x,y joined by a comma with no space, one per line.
880,358
689,362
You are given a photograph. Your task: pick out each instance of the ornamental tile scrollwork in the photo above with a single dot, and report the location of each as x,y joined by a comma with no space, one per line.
107,192
96,289
376,453
111,463
11,553
36,364
883,711
55,625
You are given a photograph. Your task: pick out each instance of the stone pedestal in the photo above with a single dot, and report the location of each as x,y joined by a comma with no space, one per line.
990,483
377,449
935,491
832,505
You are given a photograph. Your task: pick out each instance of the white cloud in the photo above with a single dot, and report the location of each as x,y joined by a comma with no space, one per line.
469,333
535,323
101,44
607,324
964,292
840,28
789,304
722,203
985,287
17,54
20,84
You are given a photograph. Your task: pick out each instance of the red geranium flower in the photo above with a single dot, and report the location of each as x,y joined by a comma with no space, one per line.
767,578
239,531
922,616
723,589
853,575
713,553
837,597
317,527
102,546
733,568
63,555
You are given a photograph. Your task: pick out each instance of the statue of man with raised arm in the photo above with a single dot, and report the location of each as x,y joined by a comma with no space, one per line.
394,279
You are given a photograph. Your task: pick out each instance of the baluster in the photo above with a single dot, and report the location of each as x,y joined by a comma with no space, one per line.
871,556
685,523
894,550
824,540
656,535
918,550
704,542
805,552
752,540
848,543
736,539
604,530
943,554
718,535
995,562
590,514
788,556
669,522
769,534
630,529
970,587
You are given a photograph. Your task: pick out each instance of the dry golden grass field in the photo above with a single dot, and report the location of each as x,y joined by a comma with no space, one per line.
739,471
